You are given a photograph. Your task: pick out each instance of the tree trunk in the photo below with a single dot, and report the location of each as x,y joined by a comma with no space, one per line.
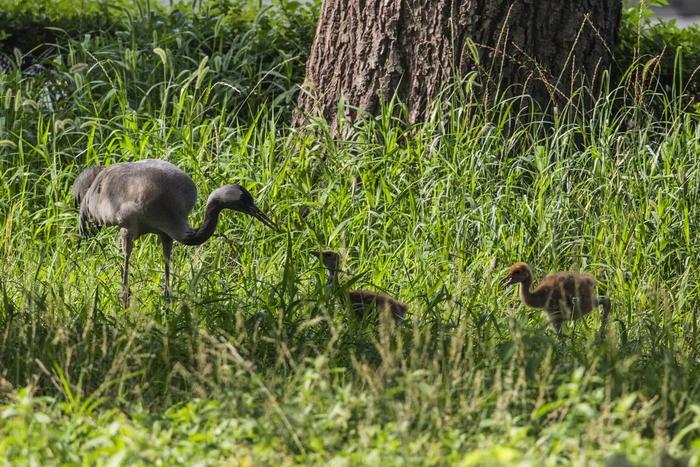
368,50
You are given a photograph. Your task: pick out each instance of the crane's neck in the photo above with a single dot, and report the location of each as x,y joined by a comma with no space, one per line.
206,230
536,299
333,286
332,280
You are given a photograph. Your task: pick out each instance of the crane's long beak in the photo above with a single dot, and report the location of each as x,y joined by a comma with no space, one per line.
259,215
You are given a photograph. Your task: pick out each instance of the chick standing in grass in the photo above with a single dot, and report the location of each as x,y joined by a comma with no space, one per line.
564,296
362,302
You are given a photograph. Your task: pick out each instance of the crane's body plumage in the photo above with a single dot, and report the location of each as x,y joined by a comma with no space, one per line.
153,196
150,196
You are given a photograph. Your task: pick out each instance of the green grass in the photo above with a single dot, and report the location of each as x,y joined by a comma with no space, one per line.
252,362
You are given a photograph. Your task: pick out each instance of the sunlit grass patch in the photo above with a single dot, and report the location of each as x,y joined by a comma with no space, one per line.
254,361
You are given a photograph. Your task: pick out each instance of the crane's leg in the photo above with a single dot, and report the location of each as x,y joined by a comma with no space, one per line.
605,303
554,318
127,244
167,250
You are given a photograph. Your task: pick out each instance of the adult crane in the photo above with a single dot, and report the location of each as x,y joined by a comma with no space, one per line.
153,196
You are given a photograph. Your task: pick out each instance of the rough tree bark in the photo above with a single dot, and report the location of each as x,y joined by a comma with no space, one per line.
367,50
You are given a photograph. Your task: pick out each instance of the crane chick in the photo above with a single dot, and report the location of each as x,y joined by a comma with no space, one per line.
153,196
564,296
362,302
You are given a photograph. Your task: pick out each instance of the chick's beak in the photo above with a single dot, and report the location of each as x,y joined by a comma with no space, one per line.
315,253
507,281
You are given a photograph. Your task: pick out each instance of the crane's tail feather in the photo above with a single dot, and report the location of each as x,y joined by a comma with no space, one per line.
83,183
81,187
86,228
83,227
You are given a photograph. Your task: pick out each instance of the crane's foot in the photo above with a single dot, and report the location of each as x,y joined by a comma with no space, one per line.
125,295
601,337
166,294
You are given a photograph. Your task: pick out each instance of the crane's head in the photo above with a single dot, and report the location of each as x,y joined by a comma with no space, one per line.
519,272
83,183
330,259
237,198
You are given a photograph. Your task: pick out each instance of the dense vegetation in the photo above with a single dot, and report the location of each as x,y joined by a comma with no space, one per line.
252,360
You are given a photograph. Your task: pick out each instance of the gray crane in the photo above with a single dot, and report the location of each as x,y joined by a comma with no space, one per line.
153,196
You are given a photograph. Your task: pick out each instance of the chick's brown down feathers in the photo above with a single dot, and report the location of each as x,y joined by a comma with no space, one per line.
362,302
564,296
